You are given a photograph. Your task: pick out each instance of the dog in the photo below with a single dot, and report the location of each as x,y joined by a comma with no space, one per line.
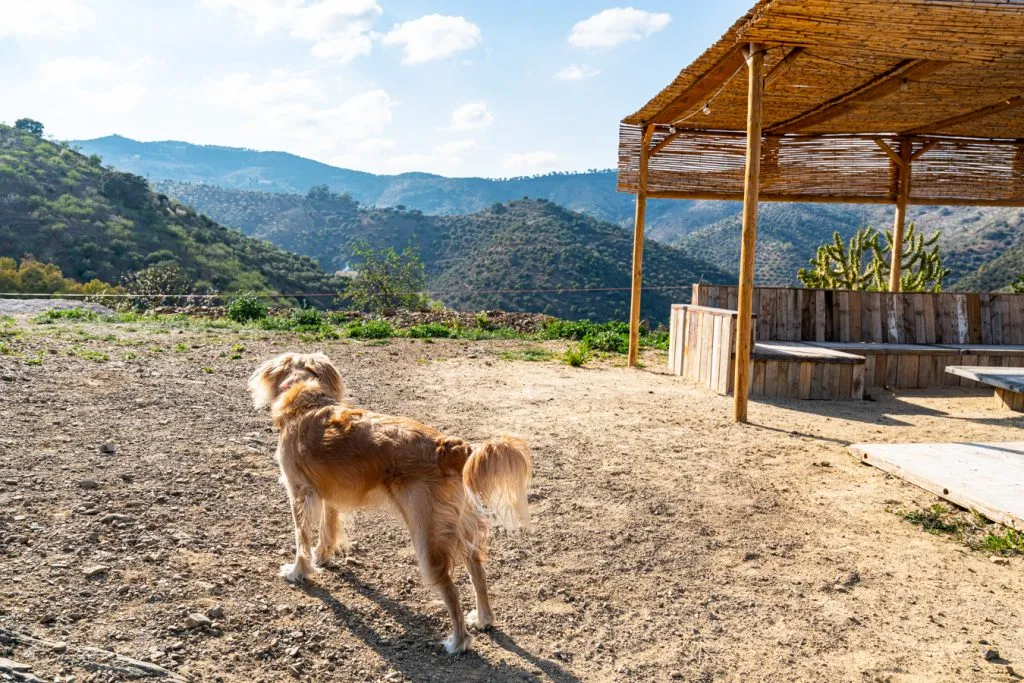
336,458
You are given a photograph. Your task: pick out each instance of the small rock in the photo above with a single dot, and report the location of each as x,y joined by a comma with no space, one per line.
108,448
295,670
1001,561
88,484
123,590
990,653
747,557
293,651
16,667
95,570
59,647
197,620
216,612
114,517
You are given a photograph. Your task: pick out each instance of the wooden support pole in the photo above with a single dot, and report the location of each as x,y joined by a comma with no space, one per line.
751,190
902,191
638,246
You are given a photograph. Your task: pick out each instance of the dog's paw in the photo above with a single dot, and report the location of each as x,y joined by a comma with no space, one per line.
290,573
323,557
454,647
475,620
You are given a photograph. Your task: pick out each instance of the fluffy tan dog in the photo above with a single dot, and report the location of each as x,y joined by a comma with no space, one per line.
335,458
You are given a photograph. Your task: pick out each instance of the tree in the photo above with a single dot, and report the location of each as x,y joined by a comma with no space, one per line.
865,264
159,285
30,126
386,279
1018,285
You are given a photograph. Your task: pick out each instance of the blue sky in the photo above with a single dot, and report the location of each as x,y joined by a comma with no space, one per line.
446,86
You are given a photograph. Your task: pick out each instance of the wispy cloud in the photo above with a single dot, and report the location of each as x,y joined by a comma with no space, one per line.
617,25
472,116
338,30
576,72
44,18
433,37
529,162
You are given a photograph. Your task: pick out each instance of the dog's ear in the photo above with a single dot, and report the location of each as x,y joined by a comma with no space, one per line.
320,366
263,384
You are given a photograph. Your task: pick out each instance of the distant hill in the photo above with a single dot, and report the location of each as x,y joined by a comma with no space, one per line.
473,261
94,222
592,193
789,234
787,237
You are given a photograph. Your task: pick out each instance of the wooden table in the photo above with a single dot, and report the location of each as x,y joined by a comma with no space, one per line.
1008,382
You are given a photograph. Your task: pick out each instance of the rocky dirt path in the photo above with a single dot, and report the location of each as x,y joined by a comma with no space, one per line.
140,514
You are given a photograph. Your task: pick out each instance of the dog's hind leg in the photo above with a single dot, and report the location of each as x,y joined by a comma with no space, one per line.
303,502
482,617
332,535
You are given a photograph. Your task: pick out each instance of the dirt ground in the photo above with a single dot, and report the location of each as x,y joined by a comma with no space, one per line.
668,542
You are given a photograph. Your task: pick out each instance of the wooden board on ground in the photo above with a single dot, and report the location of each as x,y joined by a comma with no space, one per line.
986,477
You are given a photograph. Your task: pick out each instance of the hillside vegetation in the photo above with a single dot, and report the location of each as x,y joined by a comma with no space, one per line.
472,261
789,234
592,193
96,223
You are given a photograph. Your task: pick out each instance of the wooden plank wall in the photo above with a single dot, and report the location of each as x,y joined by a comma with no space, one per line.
702,345
794,314
808,380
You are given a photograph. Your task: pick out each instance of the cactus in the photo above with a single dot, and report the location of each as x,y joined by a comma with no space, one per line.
863,264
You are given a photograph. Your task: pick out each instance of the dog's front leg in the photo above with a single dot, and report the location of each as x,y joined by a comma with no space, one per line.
302,501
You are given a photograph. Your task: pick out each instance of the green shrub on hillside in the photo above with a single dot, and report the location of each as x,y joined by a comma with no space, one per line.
246,308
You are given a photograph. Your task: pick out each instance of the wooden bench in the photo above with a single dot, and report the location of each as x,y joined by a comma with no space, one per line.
798,370
1008,382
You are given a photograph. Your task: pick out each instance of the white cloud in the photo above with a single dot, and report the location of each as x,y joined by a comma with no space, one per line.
338,30
454,148
96,84
529,162
44,18
576,72
433,37
472,116
617,25
291,111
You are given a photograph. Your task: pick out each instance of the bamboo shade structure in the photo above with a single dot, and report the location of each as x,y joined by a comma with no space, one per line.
866,101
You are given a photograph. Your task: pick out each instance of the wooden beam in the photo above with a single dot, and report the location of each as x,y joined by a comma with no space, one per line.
751,189
781,66
902,192
876,88
665,142
889,151
698,94
638,247
833,199
924,148
937,126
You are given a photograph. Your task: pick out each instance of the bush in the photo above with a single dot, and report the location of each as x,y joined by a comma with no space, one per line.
247,307
577,355
428,330
370,329
55,314
608,341
306,318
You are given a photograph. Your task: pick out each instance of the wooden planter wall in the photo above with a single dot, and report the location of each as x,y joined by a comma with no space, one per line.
794,314
702,345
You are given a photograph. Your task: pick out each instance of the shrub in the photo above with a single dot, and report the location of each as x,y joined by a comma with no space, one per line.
306,318
55,314
577,355
370,329
608,341
247,307
427,330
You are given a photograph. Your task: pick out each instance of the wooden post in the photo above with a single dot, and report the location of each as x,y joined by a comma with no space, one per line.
755,96
638,246
902,192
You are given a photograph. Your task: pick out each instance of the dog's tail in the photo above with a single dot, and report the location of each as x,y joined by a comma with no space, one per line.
496,475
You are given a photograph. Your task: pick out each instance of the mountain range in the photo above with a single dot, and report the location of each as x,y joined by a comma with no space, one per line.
983,247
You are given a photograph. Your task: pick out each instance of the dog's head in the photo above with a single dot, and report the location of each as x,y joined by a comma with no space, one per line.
275,376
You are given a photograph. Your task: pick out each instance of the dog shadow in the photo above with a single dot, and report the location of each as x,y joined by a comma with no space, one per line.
409,661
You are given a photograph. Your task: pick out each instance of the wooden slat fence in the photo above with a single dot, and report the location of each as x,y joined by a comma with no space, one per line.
825,315
702,345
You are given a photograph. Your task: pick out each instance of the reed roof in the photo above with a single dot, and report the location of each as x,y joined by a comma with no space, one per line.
843,76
